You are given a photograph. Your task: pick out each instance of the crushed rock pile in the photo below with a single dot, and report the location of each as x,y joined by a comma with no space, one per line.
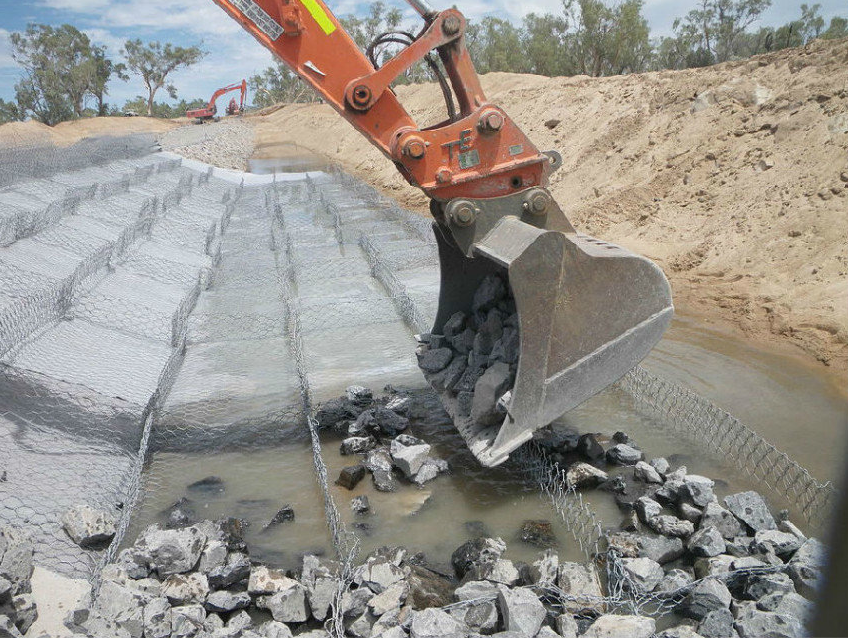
17,606
227,143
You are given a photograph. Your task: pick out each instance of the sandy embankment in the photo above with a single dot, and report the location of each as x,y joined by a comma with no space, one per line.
740,194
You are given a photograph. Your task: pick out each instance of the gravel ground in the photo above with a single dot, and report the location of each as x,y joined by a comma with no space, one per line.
228,143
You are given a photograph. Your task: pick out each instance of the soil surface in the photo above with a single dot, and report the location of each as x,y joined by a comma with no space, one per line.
734,178
67,133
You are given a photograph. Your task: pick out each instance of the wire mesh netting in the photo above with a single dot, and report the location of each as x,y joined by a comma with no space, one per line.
172,314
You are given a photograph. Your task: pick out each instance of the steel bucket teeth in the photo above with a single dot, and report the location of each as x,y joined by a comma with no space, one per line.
588,312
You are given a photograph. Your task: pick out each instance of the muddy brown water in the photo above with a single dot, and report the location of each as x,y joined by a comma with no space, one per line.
799,408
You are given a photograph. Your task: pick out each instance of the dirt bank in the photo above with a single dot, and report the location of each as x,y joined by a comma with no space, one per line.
67,133
732,177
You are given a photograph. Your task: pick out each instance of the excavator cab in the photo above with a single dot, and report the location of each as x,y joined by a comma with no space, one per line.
586,311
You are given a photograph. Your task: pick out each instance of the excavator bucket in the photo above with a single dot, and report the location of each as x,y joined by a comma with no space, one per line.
588,312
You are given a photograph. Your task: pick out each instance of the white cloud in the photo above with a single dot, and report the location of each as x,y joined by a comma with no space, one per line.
76,6
6,59
104,37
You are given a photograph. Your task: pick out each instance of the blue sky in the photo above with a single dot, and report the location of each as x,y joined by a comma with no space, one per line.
233,54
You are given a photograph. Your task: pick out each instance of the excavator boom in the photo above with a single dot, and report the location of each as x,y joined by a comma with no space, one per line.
587,311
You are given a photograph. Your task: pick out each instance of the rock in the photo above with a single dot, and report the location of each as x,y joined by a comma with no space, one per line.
225,601
274,629
681,631
350,476
187,620
121,606
758,586
336,414
740,545
488,334
433,361
623,454
507,348
5,591
584,475
714,566
231,530
360,627
88,527
521,609
790,528
646,473
389,422
643,573
757,624
359,395
360,504
428,589
614,626
435,623
475,553
180,514
321,594
480,618
454,325
477,590
544,570
157,618
670,492
805,565
588,446
288,602
660,464
582,583
566,626
264,581
448,378
688,512
788,604
751,509
172,551
390,598
399,404
538,533
235,570
208,485
21,611
699,489
213,555
378,459
8,629
714,515
16,564
706,596
355,601
430,469
463,342
284,515
552,123
781,543
647,508
488,389
383,481
707,541
408,454
491,290
662,549
717,624
378,574
182,589
673,580
356,445
668,525
501,571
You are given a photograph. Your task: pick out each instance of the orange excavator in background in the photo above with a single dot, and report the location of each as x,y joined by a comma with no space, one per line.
210,110
588,311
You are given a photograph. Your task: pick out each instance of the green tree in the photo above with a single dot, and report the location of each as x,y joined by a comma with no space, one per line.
718,27
279,84
60,66
545,45
838,28
9,112
104,69
154,62
495,44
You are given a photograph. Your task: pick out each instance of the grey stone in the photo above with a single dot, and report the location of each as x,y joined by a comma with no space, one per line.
356,445
670,492
187,620
688,512
537,532
477,590
392,597
429,470
583,584
788,604
671,526
454,325
740,545
284,515
714,565
208,485
16,564
662,549
716,516
623,454
475,553
355,602
157,618
614,626
89,527
433,361
760,585
182,589
360,504
238,621
750,508
463,342
644,574
805,565
507,348
8,629
428,588
134,562
706,596
488,333
584,475
288,603
264,581
448,378
717,624
5,590
588,446
435,623
481,618
274,629
660,464
378,459
336,413
521,610
384,481
673,580
359,395
321,594
213,555
647,508
235,570
172,551
22,611
681,631
707,541
408,457
490,291
566,626
781,543
378,574
544,570
646,473
757,624
360,627
500,571
488,389
224,601
350,476
699,489
122,606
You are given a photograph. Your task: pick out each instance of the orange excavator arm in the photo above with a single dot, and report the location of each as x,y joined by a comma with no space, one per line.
587,311
210,109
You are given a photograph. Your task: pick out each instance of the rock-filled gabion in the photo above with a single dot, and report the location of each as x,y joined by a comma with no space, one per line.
475,359
17,606
374,429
